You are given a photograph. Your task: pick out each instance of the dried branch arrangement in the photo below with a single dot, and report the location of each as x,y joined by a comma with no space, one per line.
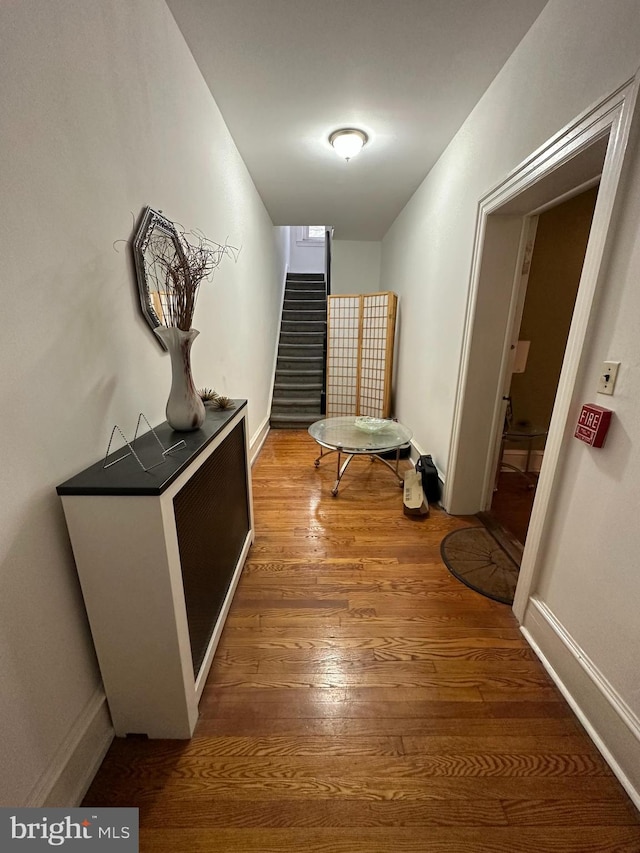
208,395
176,269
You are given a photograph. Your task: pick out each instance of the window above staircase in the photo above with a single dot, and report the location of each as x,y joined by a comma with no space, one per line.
310,235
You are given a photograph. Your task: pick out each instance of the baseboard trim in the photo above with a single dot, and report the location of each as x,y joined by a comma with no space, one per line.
416,453
518,458
65,782
610,723
277,341
259,438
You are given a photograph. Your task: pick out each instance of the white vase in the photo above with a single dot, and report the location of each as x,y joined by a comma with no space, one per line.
185,409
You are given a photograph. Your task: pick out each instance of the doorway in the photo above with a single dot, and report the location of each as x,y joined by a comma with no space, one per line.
590,148
549,285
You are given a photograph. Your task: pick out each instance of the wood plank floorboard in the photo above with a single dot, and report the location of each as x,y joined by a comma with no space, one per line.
362,700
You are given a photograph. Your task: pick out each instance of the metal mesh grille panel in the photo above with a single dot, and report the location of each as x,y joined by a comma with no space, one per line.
212,522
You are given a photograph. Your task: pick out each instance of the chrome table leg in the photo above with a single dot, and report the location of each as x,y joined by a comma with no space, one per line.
341,469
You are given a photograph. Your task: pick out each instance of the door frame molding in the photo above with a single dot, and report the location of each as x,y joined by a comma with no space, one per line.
610,118
516,309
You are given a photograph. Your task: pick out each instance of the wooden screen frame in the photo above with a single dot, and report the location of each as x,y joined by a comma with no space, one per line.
342,357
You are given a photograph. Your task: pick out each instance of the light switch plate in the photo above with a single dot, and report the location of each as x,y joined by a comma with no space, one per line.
608,376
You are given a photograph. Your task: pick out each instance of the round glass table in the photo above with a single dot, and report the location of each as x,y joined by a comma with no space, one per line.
358,436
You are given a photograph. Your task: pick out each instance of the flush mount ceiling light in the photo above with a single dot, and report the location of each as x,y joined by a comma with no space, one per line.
348,141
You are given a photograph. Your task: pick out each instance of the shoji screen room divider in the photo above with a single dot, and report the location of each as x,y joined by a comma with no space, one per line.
360,338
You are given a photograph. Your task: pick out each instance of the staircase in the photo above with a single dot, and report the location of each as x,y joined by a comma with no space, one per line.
299,369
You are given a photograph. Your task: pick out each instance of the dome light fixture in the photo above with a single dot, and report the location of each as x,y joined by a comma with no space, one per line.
348,141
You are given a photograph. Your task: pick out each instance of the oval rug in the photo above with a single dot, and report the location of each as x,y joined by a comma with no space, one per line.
474,557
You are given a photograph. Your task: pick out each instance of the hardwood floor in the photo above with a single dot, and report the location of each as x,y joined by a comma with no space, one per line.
512,504
362,699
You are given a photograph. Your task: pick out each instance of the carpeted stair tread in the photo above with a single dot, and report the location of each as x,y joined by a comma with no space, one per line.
305,312
303,325
304,316
302,362
303,367
301,393
305,289
310,349
304,338
291,421
297,407
301,359
309,400
297,388
308,297
303,334
303,402
303,370
305,276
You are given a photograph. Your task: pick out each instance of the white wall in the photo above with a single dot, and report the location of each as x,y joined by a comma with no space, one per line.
355,266
103,112
304,258
284,246
590,578
577,52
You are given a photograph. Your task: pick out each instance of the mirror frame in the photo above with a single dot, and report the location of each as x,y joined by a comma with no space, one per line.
150,221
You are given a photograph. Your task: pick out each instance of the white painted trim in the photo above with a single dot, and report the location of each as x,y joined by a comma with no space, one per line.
611,118
67,778
612,115
465,352
503,390
222,616
572,193
417,451
277,346
593,123
609,721
259,438
616,113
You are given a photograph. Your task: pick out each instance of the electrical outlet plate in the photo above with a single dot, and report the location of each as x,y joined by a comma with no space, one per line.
608,376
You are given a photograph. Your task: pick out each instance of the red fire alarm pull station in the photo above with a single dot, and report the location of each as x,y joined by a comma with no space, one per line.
593,424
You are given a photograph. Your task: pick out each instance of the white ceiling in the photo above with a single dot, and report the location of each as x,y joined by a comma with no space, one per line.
285,73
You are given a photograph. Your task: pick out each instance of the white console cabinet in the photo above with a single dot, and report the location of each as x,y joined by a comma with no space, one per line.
159,554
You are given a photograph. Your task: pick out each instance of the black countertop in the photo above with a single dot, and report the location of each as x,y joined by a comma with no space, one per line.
127,477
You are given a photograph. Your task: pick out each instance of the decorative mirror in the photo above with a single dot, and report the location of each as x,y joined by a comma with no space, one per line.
154,232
